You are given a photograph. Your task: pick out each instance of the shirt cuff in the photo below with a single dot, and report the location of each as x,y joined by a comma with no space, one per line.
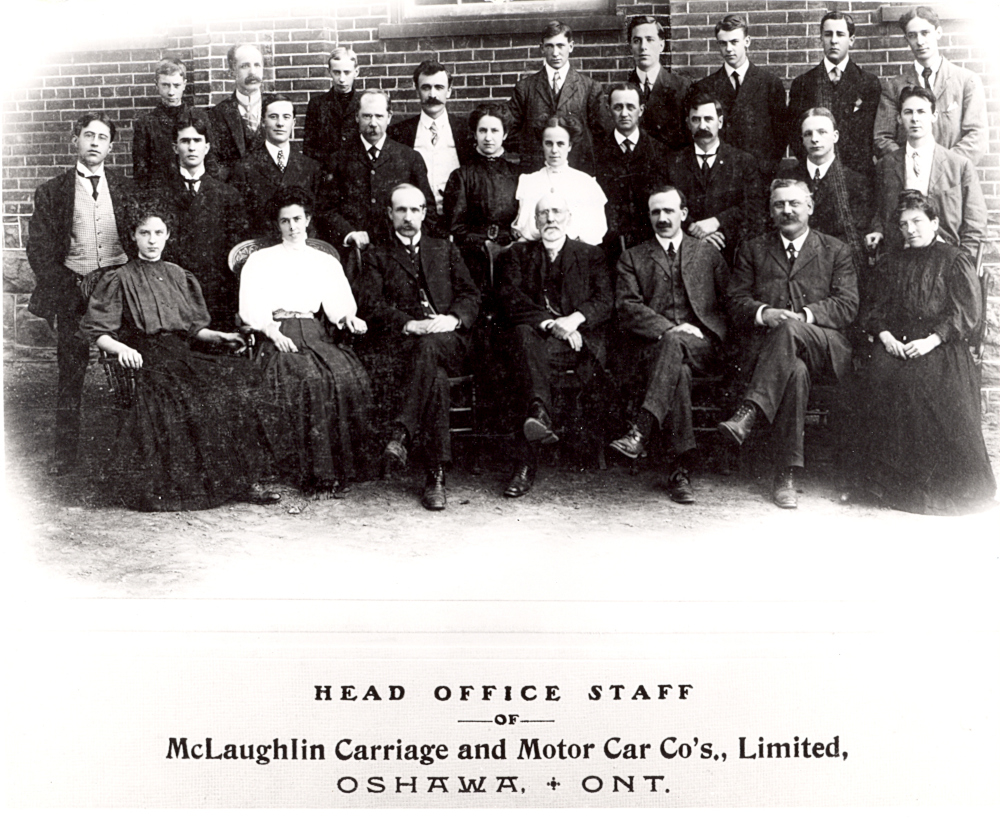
810,318
758,318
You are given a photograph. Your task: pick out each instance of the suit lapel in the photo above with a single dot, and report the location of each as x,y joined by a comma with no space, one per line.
937,169
777,250
804,259
568,89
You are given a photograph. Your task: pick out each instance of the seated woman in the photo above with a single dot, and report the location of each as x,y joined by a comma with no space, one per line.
320,386
479,201
920,440
195,435
588,222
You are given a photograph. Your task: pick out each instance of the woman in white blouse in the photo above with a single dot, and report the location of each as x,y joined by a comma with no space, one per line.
320,384
586,199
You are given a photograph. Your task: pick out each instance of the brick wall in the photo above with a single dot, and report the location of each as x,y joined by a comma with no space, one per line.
487,58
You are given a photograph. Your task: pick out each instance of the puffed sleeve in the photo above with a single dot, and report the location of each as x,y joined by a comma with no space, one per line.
527,197
589,216
195,315
257,302
335,293
963,308
104,310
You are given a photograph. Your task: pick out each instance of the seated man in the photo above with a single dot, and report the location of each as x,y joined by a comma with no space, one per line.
417,296
274,165
669,298
556,293
793,293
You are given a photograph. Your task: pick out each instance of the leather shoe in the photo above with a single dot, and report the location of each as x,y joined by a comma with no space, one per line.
395,450
520,484
679,487
434,498
632,445
538,426
784,493
261,496
739,425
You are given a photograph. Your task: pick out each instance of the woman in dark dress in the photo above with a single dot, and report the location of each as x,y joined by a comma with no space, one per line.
323,391
479,201
194,436
921,442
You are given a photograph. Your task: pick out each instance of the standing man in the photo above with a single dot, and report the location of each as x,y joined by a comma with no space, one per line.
556,294
78,230
360,178
430,132
418,298
273,165
842,87
724,192
236,121
662,91
558,90
753,99
945,177
961,102
794,291
210,219
630,164
669,299
331,119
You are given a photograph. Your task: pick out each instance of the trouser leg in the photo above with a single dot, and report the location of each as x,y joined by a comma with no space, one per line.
72,354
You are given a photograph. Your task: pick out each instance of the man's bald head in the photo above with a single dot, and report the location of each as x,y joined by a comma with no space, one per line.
552,216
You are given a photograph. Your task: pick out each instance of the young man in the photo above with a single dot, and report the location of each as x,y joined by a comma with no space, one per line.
961,103
78,230
361,177
630,164
331,118
557,297
724,192
669,299
793,294
558,90
945,177
153,158
841,86
275,164
419,301
430,133
662,91
237,127
211,219
753,99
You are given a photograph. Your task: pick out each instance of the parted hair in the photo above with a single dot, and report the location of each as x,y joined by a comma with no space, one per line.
570,124
917,91
555,28
287,197
838,15
731,22
644,20
494,109
197,119
149,206
84,120
915,200
429,67
624,86
923,12
667,189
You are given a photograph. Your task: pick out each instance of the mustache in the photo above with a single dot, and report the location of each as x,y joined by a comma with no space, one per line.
702,133
432,101
252,78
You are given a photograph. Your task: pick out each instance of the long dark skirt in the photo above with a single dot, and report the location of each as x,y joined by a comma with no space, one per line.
920,434
324,396
194,436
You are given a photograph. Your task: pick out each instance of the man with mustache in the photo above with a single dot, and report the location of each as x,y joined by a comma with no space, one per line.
669,299
556,294
724,191
793,293
359,179
430,132
78,230
961,102
237,125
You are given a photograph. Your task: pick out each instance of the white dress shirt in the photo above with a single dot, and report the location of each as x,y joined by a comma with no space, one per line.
632,137
441,159
842,65
811,168
273,150
249,108
935,67
925,155
741,71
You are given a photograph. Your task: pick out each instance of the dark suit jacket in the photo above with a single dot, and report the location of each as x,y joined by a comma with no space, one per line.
824,217
755,120
823,279
405,133
330,123
49,235
954,189
853,101
586,285
257,178
961,111
626,180
532,104
389,285
153,139
643,288
356,194
229,142
734,193
664,116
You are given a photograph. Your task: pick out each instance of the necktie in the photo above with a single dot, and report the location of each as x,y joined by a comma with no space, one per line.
816,180
253,120
736,81
373,152
927,77
192,185
627,146
94,181
835,74
916,163
434,133
413,250
671,253
791,255
281,160
646,88
552,253
556,84
706,168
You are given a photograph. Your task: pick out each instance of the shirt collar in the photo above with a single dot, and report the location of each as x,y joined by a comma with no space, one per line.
82,168
246,101
273,150
842,65
797,243
632,137
667,243
652,74
699,152
555,245
935,66
742,71
367,145
923,150
549,71
406,241
441,122
811,167
186,174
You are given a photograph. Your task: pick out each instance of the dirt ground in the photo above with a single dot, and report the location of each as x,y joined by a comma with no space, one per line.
580,534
